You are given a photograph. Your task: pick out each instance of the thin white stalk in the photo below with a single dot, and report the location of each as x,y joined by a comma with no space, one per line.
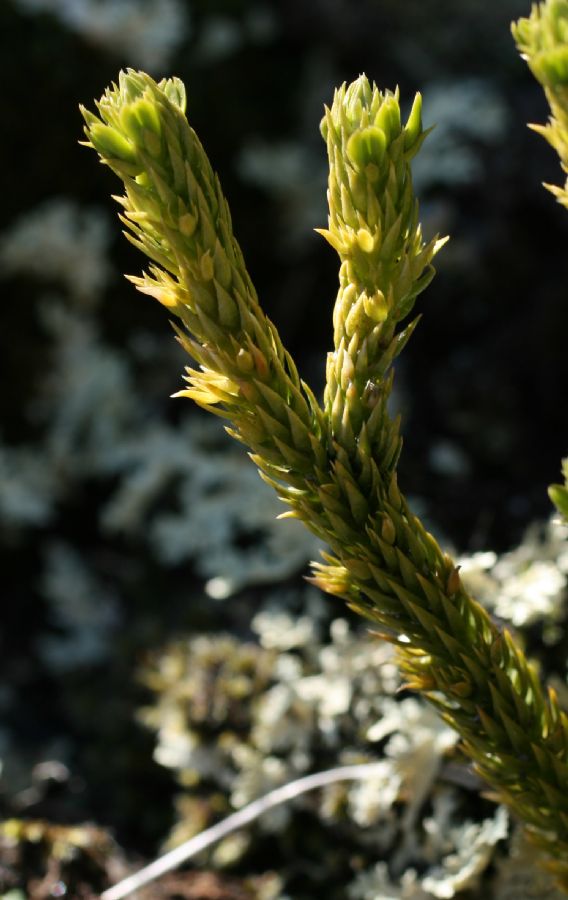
236,820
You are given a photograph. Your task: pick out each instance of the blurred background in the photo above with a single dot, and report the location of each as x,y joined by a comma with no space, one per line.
137,544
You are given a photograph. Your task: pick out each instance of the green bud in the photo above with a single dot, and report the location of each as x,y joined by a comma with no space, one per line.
365,240
453,583
559,496
89,117
376,306
187,224
125,169
110,143
522,31
388,531
366,145
206,266
245,361
388,118
413,127
131,85
324,124
139,116
174,89
353,319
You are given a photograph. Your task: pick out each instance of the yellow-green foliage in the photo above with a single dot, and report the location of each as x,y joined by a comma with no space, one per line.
542,40
559,492
335,465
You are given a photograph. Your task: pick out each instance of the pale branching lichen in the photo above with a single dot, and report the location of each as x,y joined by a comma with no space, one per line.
467,113
63,243
221,36
82,609
27,491
142,32
224,519
468,849
235,720
295,177
526,585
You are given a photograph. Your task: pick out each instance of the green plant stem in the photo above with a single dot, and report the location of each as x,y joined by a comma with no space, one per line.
336,467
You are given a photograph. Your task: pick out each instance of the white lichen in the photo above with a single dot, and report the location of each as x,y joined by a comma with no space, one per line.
466,113
27,490
224,518
144,33
528,584
474,844
295,176
375,884
62,242
278,628
82,608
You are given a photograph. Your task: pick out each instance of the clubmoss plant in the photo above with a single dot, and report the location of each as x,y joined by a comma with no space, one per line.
335,464
542,39
559,492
